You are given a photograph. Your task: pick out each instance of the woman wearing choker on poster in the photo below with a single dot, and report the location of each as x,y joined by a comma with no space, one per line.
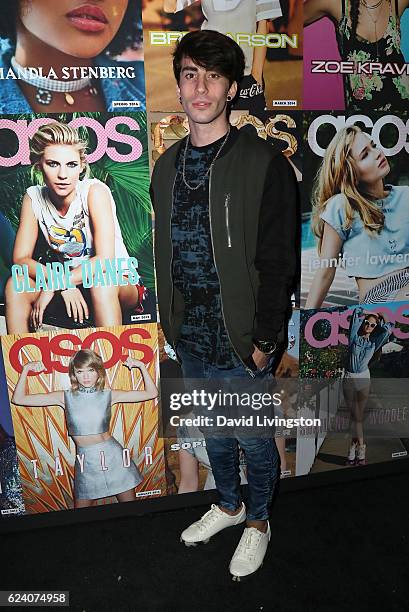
244,16
87,406
62,39
367,31
368,332
76,216
360,222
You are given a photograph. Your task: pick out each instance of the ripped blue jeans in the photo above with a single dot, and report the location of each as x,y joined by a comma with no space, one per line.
261,454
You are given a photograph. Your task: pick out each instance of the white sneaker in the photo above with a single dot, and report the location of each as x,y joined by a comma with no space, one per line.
360,456
211,523
351,459
249,554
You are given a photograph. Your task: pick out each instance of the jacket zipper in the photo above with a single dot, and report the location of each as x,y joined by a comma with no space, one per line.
252,374
171,269
226,212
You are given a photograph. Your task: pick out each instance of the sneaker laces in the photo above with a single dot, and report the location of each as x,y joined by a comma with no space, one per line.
209,518
249,543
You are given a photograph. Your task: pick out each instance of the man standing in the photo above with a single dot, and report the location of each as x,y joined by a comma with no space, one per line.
225,219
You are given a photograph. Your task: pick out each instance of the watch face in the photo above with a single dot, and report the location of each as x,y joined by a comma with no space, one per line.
265,346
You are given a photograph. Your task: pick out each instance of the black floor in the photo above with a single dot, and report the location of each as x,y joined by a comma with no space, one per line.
341,547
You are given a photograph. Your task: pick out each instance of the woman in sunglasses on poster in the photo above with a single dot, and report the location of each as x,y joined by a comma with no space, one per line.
368,332
65,55
76,217
368,31
87,406
361,223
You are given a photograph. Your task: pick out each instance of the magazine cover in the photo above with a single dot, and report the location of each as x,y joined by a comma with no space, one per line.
70,56
85,415
355,209
356,359
269,33
11,498
356,55
75,221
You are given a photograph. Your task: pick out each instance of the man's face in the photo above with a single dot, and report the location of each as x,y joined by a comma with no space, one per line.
203,92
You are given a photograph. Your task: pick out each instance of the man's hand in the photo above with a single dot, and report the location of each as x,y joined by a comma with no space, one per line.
260,358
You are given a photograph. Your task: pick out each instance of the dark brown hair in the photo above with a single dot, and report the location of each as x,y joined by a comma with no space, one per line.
367,316
210,50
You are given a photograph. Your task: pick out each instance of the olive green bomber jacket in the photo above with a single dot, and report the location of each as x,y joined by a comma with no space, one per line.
252,214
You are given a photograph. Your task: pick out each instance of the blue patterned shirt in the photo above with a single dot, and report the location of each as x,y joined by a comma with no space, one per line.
203,333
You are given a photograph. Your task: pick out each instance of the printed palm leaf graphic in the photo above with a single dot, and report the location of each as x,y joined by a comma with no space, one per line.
133,178
134,217
13,185
129,183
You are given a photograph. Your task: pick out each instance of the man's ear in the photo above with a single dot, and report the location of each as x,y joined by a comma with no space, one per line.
233,90
178,93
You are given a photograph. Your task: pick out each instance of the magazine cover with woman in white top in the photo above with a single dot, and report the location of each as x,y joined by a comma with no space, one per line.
75,222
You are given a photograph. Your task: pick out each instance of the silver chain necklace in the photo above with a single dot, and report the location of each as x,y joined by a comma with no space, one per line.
209,168
373,6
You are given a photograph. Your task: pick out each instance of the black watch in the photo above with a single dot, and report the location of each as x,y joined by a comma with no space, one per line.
265,346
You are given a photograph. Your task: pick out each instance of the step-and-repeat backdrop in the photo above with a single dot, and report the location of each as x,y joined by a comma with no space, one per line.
88,100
